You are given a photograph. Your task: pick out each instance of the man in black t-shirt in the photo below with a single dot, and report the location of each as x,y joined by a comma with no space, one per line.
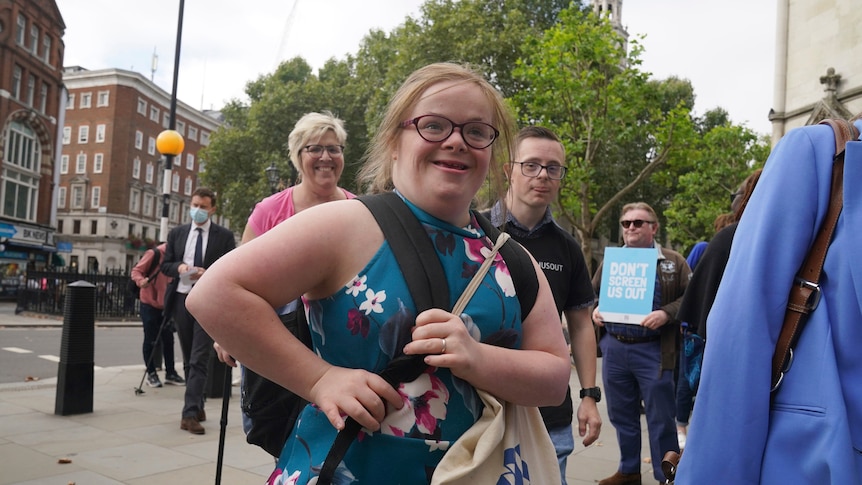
534,182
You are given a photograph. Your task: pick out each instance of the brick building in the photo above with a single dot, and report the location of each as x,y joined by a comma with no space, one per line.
109,196
31,60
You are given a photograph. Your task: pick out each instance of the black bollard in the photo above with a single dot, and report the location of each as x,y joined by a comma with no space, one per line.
75,370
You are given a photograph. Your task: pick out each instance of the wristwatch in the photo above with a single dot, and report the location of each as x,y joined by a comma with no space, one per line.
593,392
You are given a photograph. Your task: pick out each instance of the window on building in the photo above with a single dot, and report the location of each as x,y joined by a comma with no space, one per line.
181,128
102,98
154,114
193,133
95,197
135,201
46,48
150,172
76,229
205,138
81,163
145,231
172,212
61,198
188,186
131,229
19,30
34,39
60,225
201,166
151,146
64,164
175,182
142,106
67,135
98,162
94,226
83,133
178,160
136,168
184,213
17,74
43,98
31,90
70,101
190,161
100,133
19,179
86,100
139,139
166,120
148,204
77,197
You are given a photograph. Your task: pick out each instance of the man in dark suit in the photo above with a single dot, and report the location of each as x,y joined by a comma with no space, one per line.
191,249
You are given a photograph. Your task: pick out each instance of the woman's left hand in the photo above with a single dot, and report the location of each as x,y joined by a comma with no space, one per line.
444,338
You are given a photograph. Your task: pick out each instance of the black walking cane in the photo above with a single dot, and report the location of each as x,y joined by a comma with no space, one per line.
223,423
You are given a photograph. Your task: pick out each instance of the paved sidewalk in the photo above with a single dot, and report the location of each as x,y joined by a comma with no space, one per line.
135,439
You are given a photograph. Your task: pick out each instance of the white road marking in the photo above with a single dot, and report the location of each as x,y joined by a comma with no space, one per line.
18,350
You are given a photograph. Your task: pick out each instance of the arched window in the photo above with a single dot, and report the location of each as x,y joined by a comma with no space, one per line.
20,178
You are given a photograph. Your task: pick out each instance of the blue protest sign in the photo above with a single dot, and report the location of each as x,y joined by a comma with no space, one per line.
628,284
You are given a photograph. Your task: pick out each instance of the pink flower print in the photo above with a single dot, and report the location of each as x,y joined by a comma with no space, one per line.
356,286
504,279
476,249
425,401
357,322
278,478
372,301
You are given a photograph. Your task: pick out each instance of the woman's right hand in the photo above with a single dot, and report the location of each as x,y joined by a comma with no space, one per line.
597,317
356,393
223,355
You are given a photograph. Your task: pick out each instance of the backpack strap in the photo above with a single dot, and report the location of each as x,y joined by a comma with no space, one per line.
428,287
154,264
805,292
520,266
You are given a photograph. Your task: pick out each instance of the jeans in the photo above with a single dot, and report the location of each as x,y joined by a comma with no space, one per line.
152,322
564,443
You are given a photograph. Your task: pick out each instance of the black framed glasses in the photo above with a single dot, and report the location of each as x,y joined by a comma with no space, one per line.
636,222
435,129
316,151
734,195
533,169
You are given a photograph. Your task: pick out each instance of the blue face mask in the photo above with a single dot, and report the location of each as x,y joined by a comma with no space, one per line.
198,215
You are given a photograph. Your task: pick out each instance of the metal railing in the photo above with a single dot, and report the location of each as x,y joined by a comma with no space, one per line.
45,292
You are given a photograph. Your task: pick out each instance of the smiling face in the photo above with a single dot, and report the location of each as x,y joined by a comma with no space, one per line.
322,173
443,177
540,191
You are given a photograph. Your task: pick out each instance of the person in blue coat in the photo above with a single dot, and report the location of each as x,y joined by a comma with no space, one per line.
810,430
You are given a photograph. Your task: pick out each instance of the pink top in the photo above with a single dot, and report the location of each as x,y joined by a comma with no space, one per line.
154,294
274,209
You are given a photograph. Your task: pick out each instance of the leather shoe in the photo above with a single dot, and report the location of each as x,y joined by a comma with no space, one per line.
192,425
620,478
202,416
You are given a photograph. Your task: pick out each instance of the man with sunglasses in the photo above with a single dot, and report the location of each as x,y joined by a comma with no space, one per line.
639,359
534,182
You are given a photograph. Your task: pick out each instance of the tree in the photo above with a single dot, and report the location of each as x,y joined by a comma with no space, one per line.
580,81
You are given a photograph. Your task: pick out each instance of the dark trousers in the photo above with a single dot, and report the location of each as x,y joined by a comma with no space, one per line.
197,346
152,319
632,371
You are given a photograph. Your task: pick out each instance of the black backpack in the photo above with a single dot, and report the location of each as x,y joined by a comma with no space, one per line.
273,410
153,268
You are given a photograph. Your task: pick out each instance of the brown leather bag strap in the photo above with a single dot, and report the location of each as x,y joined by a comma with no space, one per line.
805,292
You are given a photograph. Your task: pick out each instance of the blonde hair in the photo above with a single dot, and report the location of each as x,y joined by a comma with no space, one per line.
639,206
313,126
376,173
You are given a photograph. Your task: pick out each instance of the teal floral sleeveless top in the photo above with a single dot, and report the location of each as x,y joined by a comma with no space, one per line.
358,327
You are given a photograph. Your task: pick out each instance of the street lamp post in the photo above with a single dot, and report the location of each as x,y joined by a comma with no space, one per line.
170,139
272,177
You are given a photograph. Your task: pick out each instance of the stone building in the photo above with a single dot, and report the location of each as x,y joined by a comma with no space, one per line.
818,63
31,85
109,196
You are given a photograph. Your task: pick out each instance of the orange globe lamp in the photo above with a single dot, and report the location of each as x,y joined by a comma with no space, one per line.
170,142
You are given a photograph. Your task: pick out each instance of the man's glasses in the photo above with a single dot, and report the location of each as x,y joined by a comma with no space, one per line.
533,169
316,151
435,129
637,223
734,195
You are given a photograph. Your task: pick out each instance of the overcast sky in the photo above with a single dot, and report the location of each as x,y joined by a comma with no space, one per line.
725,48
